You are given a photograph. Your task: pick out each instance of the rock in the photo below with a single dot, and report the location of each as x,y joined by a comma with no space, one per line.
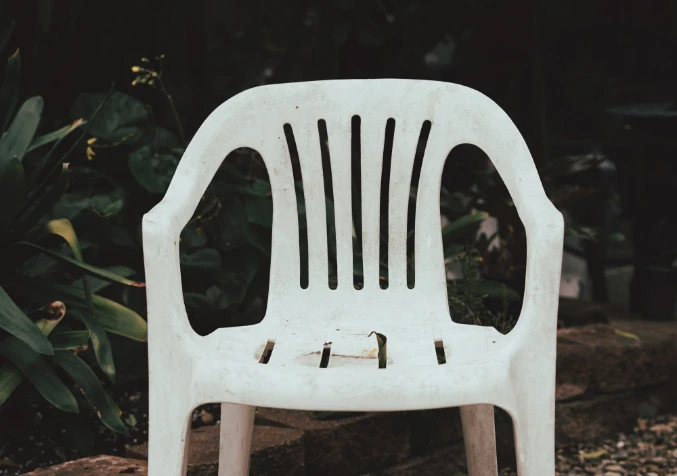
103,465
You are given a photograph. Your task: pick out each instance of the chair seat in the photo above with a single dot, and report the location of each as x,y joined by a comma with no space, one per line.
476,366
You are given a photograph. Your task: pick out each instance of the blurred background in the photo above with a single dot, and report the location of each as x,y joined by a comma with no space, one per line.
99,100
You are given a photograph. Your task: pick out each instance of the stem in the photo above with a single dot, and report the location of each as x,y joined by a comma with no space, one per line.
179,126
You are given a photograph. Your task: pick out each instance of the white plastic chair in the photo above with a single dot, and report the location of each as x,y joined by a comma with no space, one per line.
483,367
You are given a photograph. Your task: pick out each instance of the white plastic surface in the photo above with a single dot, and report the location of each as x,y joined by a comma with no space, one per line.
514,371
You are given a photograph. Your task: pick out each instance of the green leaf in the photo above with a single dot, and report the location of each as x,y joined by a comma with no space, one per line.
257,188
213,300
9,94
70,205
54,136
13,190
260,212
39,373
153,171
17,139
99,284
14,321
117,117
203,259
95,271
463,227
10,376
100,342
190,238
256,238
69,340
92,389
114,317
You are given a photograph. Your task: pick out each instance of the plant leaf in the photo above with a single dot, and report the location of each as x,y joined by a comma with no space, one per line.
17,139
259,212
463,226
9,94
92,389
153,171
14,321
100,284
39,373
95,271
10,375
69,340
203,259
114,317
100,342
54,136
117,117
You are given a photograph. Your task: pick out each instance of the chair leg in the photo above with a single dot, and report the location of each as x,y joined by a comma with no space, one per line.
534,428
237,425
479,436
168,436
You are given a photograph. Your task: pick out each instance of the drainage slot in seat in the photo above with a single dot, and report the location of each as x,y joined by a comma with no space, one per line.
326,352
267,352
439,350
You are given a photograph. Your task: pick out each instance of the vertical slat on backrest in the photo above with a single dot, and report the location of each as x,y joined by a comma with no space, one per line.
310,156
373,131
429,254
339,133
407,130
285,268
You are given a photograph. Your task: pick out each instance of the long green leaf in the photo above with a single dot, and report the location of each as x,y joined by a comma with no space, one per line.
69,340
58,136
10,375
54,136
13,192
39,373
14,321
82,266
461,227
59,163
100,342
92,389
99,284
114,317
17,139
9,94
